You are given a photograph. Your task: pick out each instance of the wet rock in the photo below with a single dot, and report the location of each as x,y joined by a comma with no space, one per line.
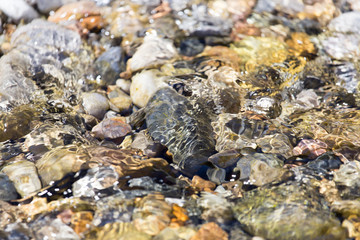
7,189
153,52
45,6
225,159
152,214
348,49
95,104
170,233
198,22
255,51
201,184
277,144
326,161
96,179
124,85
310,148
215,208
52,229
18,10
280,5
191,47
347,180
85,12
17,124
260,168
127,162
46,136
144,85
109,65
183,128
210,231
120,100
306,217
58,162
113,128
16,231
346,23
24,176
121,230
144,142
115,208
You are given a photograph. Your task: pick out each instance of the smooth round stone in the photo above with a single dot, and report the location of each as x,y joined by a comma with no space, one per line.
7,189
111,128
153,52
95,104
144,85
342,46
24,176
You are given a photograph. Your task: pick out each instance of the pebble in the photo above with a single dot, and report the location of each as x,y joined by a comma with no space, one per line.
18,9
112,128
95,104
153,52
24,176
202,185
210,231
346,23
7,189
96,179
109,65
144,85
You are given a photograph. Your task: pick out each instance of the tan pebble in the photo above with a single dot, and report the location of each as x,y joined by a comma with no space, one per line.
202,185
210,231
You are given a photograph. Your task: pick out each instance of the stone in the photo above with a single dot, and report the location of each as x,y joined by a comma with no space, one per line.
210,231
215,208
347,179
152,214
144,85
183,128
144,142
348,49
18,9
46,6
121,100
95,180
109,65
191,47
346,23
296,211
53,229
7,189
310,148
95,104
260,168
153,52
24,176
58,162
112,128
202,184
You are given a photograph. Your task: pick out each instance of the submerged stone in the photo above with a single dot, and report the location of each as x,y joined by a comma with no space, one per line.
287,211
182,127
